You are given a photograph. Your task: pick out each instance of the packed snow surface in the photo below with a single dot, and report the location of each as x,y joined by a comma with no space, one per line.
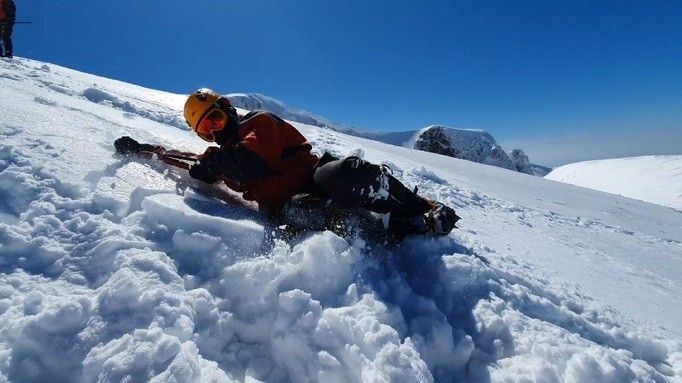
655,179
114,269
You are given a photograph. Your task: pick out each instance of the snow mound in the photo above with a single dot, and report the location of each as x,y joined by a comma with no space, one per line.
655,179
467,144
471,145
119,270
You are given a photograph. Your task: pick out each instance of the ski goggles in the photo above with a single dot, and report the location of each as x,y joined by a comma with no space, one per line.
213,121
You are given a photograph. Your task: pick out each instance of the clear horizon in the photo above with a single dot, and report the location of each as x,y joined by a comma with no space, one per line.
565,82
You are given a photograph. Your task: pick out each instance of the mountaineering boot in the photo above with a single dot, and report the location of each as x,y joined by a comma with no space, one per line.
438,221
441,219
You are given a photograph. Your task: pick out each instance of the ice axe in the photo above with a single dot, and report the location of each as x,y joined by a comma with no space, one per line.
183,160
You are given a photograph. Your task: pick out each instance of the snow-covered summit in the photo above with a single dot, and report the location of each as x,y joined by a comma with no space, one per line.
655,179
114,269
467,144
472,145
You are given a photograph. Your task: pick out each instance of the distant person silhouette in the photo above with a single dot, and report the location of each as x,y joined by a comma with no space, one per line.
8,11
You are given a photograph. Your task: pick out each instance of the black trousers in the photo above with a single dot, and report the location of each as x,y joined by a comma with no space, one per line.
6,36
352,182
343,196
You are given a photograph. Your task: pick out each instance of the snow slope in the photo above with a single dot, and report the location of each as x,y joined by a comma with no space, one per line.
116,270
655,179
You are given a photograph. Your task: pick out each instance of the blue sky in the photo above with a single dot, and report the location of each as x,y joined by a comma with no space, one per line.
529,72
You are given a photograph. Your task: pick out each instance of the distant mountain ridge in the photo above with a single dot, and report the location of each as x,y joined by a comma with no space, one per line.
472,145
256,101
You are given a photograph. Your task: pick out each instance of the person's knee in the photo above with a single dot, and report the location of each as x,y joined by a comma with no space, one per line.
344,165
344,174
328,174
343,179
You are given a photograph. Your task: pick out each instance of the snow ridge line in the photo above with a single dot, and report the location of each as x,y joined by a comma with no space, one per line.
159,113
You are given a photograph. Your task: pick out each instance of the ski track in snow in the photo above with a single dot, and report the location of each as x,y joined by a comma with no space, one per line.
114,270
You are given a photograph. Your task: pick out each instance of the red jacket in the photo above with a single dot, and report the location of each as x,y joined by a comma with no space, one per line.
269,157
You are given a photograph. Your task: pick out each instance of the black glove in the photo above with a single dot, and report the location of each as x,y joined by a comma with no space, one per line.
206,169
127,145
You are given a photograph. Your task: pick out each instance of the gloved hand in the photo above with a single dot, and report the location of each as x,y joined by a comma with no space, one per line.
127,145
209,152
206,169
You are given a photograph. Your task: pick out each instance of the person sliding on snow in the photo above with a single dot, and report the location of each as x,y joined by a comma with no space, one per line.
274,163
7,16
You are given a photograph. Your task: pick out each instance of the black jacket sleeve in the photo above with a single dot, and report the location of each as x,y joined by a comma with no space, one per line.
240,164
